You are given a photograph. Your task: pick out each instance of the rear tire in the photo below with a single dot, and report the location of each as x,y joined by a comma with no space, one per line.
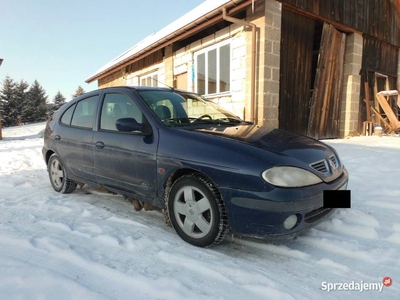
58,176
196,211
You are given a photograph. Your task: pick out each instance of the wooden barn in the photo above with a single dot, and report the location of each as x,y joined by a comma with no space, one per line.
308,66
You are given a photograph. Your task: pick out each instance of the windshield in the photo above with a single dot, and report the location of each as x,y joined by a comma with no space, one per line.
184,109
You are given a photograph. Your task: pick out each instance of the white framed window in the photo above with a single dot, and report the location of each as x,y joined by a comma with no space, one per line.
213,69
149,79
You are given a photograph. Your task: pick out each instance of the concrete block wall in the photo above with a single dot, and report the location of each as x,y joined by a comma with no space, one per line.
351,85
169,66
238,74
268,73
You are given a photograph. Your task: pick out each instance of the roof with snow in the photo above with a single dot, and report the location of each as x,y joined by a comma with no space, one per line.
185,22
206,10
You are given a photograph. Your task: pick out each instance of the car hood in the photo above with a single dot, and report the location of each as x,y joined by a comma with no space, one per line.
284,148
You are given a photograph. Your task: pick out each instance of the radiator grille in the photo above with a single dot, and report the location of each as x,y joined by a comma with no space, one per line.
322,166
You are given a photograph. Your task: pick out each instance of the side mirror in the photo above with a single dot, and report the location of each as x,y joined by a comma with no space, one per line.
130,125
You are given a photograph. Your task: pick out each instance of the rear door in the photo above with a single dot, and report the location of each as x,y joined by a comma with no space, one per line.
126,161
74,138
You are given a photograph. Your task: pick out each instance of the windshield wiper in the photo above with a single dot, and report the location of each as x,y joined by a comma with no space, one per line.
190,121
231,121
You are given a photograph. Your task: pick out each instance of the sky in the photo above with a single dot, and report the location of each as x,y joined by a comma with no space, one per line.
93,245
62,43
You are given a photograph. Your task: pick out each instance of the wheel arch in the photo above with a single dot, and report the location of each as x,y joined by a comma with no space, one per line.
178,174
182,172
47,156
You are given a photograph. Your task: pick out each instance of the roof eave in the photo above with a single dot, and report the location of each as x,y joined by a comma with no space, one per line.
189,28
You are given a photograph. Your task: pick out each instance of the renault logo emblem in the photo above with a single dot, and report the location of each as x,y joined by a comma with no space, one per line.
332,165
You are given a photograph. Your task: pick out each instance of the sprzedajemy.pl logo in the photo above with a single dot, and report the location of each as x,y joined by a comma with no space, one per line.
360,286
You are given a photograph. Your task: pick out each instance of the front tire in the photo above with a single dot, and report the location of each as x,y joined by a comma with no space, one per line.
58,177
196,211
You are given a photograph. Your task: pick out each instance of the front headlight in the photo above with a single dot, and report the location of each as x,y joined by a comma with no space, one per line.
290,177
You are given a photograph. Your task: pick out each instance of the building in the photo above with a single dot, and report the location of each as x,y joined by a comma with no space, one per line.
300,65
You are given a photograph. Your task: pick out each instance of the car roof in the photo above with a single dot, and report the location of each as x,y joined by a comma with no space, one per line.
135,88
149,88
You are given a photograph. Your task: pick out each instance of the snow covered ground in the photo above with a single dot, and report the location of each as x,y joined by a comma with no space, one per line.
92,245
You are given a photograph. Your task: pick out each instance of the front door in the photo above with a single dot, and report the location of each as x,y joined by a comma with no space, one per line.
124,160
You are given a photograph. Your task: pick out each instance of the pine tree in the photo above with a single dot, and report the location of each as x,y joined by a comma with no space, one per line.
35,108
7,100
79,91
20,99
58,101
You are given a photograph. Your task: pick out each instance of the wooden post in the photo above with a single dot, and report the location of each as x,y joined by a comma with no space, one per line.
367,100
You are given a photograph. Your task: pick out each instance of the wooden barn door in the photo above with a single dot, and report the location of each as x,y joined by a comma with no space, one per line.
325,103
296,71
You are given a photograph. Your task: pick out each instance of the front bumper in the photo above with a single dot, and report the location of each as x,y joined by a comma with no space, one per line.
262,214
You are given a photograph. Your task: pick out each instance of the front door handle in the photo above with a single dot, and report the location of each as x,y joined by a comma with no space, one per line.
100,145
57,138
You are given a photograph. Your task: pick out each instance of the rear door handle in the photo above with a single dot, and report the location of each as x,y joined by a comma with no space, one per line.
57,138
100,145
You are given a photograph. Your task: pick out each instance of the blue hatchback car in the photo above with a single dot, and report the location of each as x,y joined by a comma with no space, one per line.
209,170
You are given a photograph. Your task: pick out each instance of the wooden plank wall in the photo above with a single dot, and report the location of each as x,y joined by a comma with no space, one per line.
149,60
377,18
377,57
397,6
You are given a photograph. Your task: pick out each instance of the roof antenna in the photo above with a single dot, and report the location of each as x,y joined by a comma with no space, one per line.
170,87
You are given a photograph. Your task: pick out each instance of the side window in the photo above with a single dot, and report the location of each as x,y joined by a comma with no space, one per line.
84,112
67,116
117,106
213,69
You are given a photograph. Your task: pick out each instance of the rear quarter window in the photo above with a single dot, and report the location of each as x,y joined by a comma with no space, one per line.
67,116
82,113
